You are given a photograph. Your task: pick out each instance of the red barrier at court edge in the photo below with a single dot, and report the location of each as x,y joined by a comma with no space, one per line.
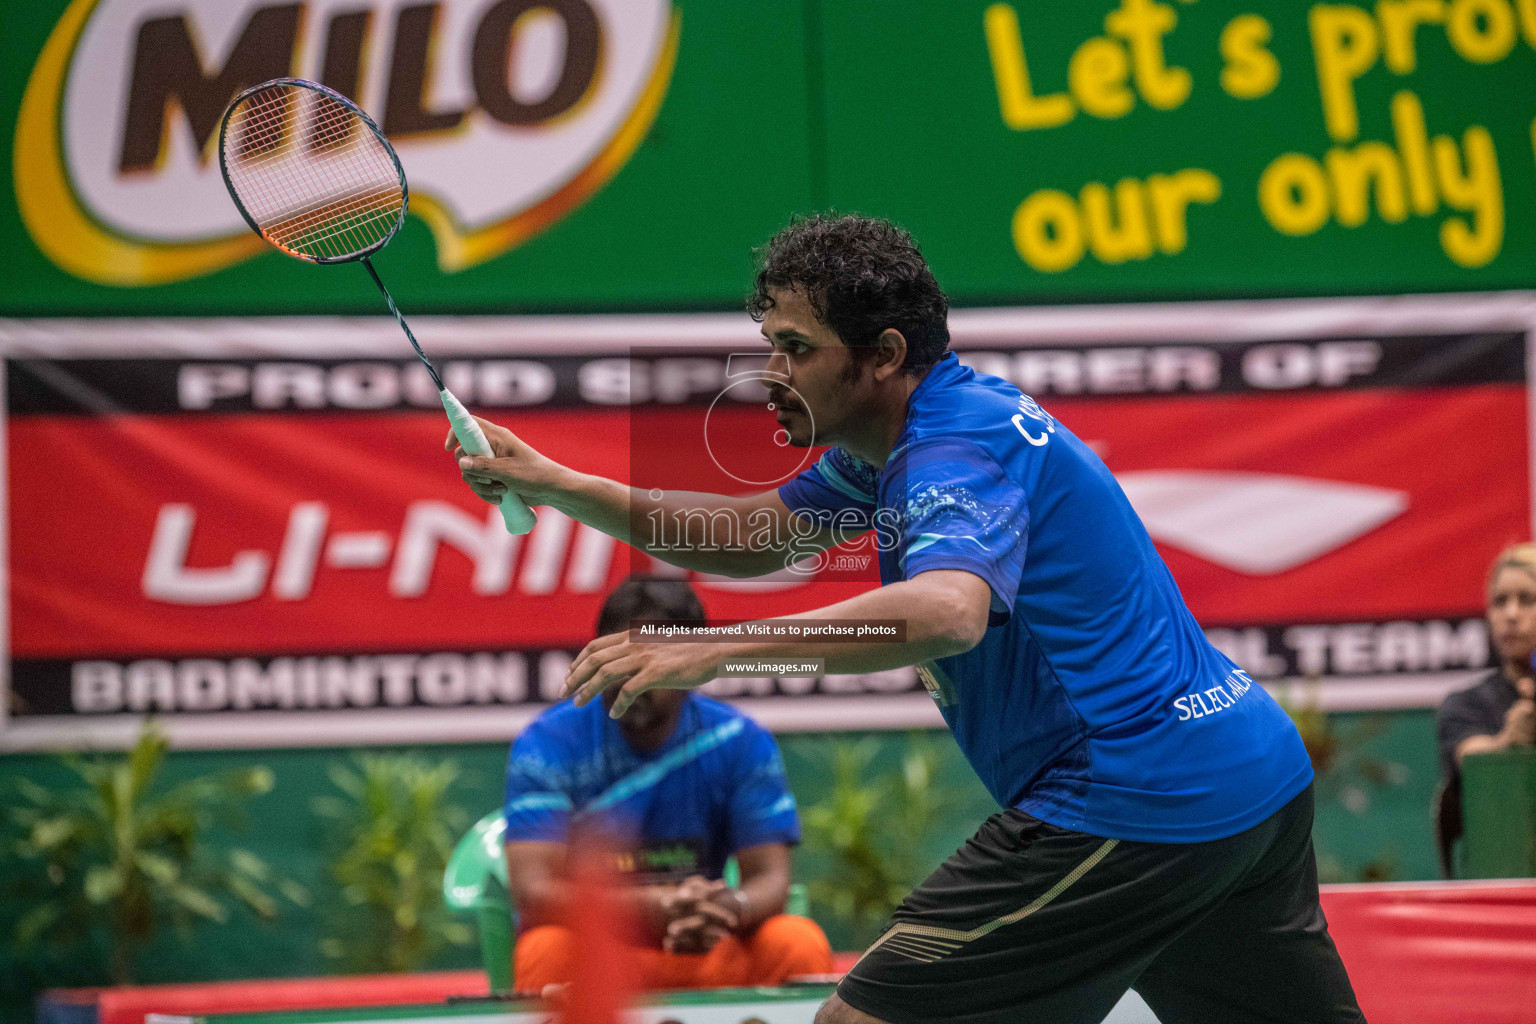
130,1004
1418,953
1438,952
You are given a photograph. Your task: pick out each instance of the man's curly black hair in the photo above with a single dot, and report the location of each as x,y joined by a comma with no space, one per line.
861,275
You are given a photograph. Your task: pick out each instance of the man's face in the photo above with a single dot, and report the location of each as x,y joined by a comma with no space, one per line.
649,720
1512,614
827,380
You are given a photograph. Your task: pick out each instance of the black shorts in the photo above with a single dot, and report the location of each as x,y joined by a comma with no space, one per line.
1030,922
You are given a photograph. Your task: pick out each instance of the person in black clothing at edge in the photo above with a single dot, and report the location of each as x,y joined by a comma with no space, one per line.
1498,712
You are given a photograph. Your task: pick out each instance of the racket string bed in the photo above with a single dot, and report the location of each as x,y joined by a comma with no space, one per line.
336,222
271,137
287,141
304,227
298,224
362,187
270,133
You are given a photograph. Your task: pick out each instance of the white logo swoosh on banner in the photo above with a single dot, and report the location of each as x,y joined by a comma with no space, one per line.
1256,523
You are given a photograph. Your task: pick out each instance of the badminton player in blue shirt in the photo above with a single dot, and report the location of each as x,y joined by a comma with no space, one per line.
1157,804
675,786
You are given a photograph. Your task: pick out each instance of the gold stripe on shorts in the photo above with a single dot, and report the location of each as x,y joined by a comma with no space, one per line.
926,943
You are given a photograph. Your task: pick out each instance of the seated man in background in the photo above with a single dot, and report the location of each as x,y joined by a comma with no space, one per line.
1498,712
679,784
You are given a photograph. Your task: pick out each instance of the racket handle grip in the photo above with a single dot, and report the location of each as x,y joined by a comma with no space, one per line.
514,510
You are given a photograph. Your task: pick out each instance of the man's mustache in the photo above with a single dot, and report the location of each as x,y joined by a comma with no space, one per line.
782,400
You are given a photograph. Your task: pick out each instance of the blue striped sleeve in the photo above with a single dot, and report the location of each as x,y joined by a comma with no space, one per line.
961,511
838,489
537,802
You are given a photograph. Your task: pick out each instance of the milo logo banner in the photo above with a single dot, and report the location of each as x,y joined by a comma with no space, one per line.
620,154
508,116
276,549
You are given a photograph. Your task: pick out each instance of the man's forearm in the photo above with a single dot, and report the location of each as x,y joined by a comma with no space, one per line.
597,501
756,901
704,532
714,533
933,630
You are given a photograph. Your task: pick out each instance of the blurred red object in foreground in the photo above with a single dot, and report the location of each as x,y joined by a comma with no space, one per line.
605,973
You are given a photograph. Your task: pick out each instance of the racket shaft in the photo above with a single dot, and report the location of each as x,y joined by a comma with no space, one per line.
514,510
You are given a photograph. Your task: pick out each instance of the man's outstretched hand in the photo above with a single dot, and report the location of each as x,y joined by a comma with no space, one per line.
515,466
613,660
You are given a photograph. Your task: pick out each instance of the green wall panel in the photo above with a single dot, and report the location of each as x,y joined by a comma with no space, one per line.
910,110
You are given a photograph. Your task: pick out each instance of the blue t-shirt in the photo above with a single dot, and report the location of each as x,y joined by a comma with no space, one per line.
716,786
1094,701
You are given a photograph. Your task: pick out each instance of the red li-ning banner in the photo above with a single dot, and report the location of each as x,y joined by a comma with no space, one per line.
318,534
1366,504
263,546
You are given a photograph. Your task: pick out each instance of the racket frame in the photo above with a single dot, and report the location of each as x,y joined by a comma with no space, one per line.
515,512
331,94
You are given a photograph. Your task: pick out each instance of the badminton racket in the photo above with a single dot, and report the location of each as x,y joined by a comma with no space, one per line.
313,175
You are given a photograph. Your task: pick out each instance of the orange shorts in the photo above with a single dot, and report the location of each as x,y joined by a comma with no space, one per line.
781,946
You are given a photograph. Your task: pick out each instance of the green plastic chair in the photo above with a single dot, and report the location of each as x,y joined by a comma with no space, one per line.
475,882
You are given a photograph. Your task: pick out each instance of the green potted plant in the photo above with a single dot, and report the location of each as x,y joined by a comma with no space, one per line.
393,828
864,832
118,858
